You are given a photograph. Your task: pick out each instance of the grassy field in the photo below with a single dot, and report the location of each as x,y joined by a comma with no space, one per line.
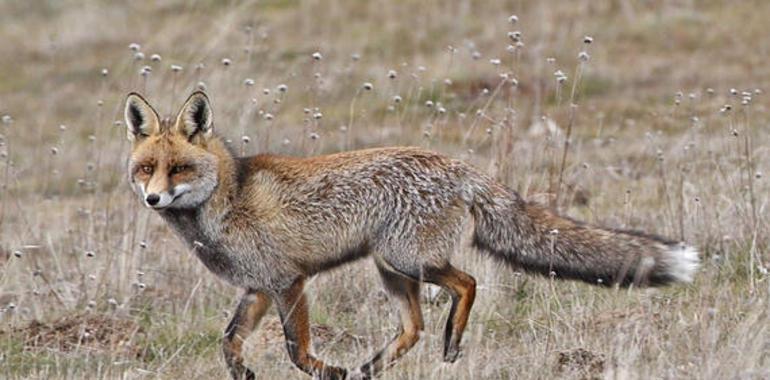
664,112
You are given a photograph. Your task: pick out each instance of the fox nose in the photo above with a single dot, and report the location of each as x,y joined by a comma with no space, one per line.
152,199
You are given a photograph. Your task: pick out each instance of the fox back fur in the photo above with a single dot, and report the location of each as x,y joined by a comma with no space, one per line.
267,222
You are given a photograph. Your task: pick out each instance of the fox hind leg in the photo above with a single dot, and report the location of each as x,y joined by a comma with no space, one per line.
462,287
293,309
249,312
406,292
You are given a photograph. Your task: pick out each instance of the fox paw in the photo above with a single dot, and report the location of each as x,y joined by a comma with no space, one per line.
452,354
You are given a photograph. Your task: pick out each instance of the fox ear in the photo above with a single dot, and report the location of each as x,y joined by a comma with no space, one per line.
141,118
194,118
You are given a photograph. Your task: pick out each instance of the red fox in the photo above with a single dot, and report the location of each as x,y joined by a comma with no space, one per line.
266,223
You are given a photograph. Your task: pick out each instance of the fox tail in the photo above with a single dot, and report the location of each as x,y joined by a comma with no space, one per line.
534,239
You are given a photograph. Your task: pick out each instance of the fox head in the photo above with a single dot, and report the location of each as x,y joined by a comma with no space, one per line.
170,165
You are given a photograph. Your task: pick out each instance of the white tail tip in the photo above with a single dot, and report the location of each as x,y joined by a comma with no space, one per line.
681,262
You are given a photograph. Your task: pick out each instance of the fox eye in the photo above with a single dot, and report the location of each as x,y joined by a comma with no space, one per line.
179,168
147,169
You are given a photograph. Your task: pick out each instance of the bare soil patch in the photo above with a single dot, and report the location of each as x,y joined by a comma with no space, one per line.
79,332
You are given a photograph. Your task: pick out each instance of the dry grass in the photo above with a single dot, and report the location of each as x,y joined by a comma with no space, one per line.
102,289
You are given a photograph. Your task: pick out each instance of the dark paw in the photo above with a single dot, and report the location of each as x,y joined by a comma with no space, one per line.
451,354
238,371
242,373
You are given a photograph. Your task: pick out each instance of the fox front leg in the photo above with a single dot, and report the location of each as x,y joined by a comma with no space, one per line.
250,310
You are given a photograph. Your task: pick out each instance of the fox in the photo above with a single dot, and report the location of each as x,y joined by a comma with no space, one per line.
267,223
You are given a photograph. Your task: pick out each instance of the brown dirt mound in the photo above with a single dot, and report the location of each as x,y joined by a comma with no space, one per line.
82,331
